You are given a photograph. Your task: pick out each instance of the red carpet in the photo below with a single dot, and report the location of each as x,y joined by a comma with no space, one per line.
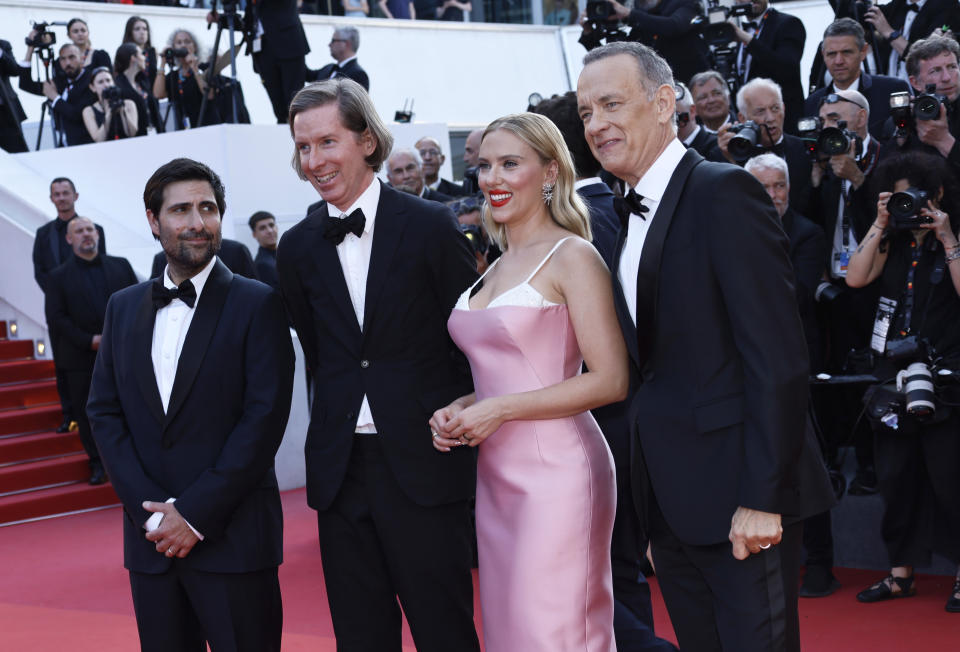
64,588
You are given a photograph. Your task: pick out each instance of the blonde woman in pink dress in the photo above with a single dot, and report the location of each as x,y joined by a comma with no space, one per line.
546,491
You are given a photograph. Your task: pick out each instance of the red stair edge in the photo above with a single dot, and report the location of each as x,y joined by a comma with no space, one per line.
38,445
44,473
55,501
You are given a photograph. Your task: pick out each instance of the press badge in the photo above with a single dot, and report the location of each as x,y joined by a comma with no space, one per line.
881,324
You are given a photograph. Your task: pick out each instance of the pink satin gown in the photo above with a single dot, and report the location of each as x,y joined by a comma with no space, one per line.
546,491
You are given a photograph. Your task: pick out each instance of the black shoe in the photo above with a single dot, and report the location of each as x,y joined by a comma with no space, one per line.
97,474
881,590
67,425
818,582
864,484
953,602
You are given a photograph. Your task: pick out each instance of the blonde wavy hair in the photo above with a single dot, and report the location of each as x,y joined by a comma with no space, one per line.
567,208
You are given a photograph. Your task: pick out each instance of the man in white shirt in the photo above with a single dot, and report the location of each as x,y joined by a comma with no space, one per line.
370,279
189,400
705,297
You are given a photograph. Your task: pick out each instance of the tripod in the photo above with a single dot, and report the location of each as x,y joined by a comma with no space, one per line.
228,20
45,56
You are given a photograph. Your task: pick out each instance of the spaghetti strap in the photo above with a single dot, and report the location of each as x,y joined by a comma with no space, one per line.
547,257
482,276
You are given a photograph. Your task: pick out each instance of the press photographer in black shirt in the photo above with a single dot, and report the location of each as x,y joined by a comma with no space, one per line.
110,116
67,94
132,78
912,250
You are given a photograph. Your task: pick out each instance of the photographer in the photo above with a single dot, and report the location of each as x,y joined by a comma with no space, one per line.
11,112
761,116
67,94
185,84
131,79
900,24
912,251
79,34
111,117
664,25
689,131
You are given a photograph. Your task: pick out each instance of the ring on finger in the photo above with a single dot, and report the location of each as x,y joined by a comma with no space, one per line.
434,433
764,546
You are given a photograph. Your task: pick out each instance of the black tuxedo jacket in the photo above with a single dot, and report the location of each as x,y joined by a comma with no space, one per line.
667,28
48,254
432,195
877,89
776,53
705,142
234,255
403,359
808,250
799,165
450,188
721,410
934,14
75,311
283,35
603,218
213,450
67,113
350,69
11,111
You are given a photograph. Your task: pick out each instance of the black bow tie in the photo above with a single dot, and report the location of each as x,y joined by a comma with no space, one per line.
335,229
162,296
632,204
777,149
912,7
750,24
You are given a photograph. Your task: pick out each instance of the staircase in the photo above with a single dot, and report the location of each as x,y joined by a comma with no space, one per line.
42,473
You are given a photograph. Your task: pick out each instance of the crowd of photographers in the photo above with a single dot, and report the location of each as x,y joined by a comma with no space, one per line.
863,173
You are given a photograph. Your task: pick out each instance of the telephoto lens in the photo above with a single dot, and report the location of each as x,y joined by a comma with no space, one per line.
916,383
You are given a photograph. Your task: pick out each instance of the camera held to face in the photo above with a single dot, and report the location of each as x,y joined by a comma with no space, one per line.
113,96
904,208
745,143
823,142
172,54
925,106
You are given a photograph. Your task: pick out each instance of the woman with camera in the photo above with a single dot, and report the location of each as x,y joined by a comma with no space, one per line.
131,78
912,248
137,31
185,84
111,117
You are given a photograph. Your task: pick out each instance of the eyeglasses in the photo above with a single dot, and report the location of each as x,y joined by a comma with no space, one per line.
337,40
424,153
833,98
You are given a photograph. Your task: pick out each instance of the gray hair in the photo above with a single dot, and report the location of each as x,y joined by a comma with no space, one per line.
198,51
414,154
357,114
846,27
702,78
351,33
756,84
654,70
929,48
768,161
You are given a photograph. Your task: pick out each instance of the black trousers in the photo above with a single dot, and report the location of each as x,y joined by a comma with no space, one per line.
918,471
282,78
184,609
717,602
378,546
78,387
11,136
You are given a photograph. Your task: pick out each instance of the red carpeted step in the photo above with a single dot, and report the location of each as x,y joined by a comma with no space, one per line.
38,446
57,500
59,470
23,395
33,419
23,371
16,349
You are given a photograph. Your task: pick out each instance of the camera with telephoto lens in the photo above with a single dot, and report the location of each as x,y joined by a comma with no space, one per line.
744,144
113,95
916,384
904,208
171,54
827,141
598,10
714,28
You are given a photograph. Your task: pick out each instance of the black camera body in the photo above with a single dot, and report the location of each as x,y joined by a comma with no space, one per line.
904,208
827,141
113,95
714,28
44,38
904,110
599,10
745,143
926,106
172,54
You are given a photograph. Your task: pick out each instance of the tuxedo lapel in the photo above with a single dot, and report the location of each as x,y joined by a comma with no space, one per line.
329,268
623,312
204,323
390,221
648,272
142,345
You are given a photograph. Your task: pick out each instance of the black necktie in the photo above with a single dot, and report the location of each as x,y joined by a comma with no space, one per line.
335,229
632,204
162,296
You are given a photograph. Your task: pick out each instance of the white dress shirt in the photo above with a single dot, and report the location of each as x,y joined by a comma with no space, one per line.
898,62
688,141
339,66
354,254
170,328
651,186
841,253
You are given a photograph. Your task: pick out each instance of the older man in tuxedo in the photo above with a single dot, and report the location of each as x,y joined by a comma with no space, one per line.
343,48
370,278
723,468
189,401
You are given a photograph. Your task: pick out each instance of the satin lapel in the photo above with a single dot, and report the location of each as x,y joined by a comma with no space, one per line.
141,346
620,303
648,272
390,222
324,253
208,313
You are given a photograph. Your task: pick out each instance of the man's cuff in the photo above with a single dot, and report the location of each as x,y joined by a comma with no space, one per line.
154,521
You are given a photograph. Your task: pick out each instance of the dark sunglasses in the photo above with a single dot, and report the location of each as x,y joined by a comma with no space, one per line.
833,98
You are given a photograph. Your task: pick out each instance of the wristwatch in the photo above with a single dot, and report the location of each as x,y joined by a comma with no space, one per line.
894,35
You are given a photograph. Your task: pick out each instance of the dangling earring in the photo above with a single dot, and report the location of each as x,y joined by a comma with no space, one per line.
547,193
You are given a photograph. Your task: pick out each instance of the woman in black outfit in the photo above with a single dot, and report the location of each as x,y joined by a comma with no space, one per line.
108,118
138,31
131,78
